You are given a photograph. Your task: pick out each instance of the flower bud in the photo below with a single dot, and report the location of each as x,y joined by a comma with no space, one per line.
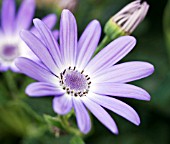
127,19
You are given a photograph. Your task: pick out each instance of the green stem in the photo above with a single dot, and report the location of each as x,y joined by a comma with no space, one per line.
9,76
24,106
103,43
68,128
31,111
11,84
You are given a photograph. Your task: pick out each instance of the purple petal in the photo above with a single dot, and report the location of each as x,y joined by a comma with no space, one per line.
88,43
40,50
117,106
120,90
50,20
35,71
56,34
8,15
82,115
62,104
125,72
43,89
14,68
100,114
3,67
131,6
9,66
25,14
111,54
50,41
1,32
68,38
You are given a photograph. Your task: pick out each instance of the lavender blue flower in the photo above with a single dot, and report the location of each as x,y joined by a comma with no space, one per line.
79,81
11,45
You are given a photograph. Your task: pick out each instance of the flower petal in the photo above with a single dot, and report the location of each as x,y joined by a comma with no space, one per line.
40,50
82,116
50,20
116,106
88,43
50,41
68,38
37,89
25,14
13,67
125,72
131,7
3,67
8,15
120,90
111,54
62,104
35,71
56,34
100,114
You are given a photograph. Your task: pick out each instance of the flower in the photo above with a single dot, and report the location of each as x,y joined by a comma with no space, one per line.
126,20
11,45
79,81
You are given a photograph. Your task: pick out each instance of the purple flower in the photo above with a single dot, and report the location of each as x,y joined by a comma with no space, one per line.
79,81
11,45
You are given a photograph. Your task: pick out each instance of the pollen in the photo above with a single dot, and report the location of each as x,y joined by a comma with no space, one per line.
75,83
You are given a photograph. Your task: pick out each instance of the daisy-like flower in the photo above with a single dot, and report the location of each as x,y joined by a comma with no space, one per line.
79,81
11,45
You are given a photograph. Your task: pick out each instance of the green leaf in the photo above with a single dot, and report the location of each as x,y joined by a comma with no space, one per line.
76,140
53,121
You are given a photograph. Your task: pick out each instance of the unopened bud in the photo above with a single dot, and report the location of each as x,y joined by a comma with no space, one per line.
127,19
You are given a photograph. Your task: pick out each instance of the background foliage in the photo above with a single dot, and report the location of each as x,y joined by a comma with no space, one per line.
153,36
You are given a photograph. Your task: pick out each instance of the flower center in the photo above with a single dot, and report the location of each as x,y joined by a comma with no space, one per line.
9,52
74,82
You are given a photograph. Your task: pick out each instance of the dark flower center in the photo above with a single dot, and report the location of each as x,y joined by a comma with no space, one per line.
74,82
9,52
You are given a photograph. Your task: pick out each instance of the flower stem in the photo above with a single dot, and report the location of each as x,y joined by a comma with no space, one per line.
68,128
30,111
103,43
11,84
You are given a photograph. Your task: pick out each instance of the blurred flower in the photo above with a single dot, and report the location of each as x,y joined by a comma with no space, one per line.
127,19
59,4
78,80
11,45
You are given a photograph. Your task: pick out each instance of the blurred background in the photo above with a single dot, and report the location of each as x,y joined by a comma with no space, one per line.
18,126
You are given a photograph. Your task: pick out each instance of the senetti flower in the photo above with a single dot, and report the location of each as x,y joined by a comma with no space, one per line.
126,20
79,81
11,45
